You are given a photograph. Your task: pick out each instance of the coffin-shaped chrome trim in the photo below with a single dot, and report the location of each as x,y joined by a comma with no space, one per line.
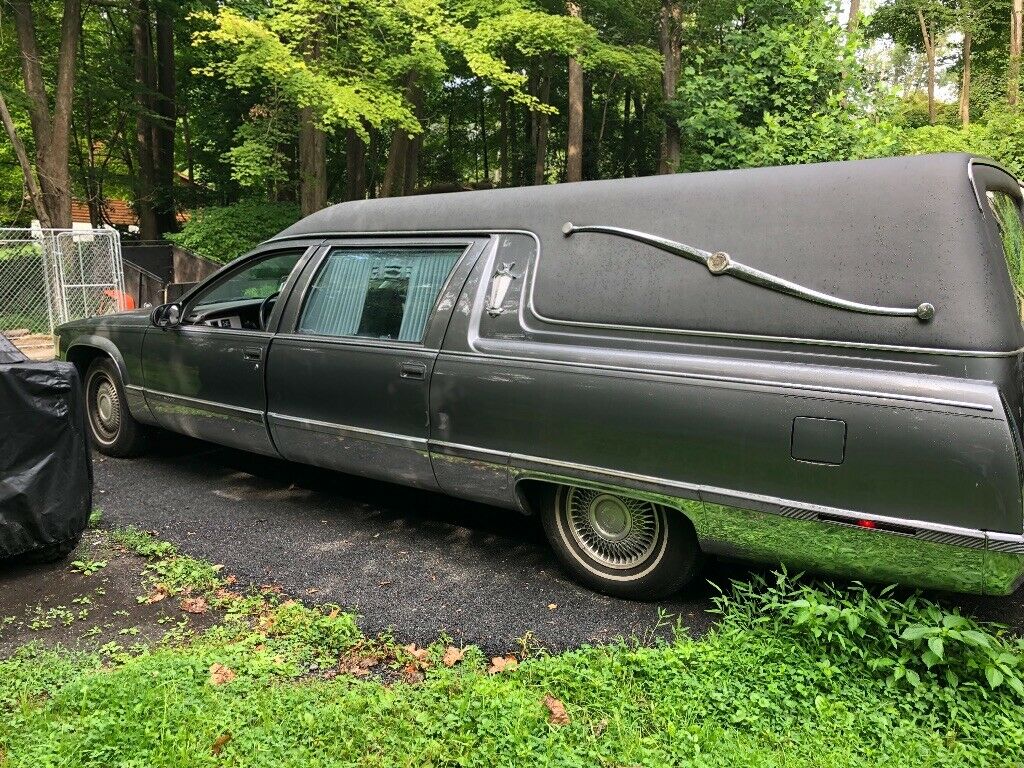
721,263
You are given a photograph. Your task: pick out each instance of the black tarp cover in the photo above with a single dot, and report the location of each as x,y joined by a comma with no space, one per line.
45,470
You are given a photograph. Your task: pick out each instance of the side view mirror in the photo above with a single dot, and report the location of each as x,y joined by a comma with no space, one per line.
166,315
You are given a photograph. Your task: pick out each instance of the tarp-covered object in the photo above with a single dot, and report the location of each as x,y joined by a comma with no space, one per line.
45,470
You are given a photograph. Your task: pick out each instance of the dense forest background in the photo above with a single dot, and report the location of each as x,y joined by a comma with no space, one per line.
246,113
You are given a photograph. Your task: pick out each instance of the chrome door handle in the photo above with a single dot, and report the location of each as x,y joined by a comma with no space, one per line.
252,353
413,371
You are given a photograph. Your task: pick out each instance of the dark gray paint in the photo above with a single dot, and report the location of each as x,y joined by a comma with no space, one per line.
566,383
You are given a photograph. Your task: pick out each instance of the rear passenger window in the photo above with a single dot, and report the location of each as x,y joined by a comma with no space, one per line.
378,293
1011,231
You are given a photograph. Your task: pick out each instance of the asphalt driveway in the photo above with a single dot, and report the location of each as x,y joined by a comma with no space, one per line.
416,563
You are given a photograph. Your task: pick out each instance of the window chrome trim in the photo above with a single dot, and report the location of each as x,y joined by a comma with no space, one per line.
329,245
655,329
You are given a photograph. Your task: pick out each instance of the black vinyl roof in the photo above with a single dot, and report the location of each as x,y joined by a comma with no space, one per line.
893,232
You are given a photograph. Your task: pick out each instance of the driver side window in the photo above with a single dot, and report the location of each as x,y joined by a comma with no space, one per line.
253,282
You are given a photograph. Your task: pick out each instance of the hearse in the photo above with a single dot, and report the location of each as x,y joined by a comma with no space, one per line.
817,365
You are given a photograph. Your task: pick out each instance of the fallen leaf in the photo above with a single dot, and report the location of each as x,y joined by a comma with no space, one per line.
556,710
452,656
221,742
601,727
412,674
552,606
219,674
159,593
218,567
357,664
232,579
501,664
225,594
421,655
194,605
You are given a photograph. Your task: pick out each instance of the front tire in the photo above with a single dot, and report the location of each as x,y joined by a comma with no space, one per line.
618,545
114,431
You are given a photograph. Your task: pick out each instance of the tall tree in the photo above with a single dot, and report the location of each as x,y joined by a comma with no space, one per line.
145,150
165,118
574,130
928,40
670,23
1016,37
51,128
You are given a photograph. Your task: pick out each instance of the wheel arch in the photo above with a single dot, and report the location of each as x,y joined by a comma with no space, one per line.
84,350
532,491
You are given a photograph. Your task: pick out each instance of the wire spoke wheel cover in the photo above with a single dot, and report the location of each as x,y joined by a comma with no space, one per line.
104,408
617,532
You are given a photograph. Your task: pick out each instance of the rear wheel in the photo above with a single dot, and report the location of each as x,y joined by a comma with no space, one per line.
114,431
619,545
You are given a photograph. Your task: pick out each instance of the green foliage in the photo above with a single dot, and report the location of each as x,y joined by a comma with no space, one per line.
910,641
796,675
170,569
223,234
775,87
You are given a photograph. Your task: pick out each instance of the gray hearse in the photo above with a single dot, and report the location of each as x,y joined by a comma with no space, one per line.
817,365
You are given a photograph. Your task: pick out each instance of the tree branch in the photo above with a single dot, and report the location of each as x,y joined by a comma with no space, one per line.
26,166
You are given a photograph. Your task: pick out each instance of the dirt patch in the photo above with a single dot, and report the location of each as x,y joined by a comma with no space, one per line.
82,604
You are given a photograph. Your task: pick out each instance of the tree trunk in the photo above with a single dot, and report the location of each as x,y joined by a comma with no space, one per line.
483,134
145,177
1013,71
167,118
574,130
640,167
26,166
851,22
504,114
51,131
189,157
355,166
412,164
965,82
540,130
312,163
627,130
670,42
927,36
393,184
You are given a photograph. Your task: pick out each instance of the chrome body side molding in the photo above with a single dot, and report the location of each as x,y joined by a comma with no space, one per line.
720,263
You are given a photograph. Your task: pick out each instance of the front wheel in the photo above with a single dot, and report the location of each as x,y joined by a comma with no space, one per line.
114,431
618,545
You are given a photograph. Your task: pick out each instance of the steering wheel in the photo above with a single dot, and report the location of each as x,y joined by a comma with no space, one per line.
265,308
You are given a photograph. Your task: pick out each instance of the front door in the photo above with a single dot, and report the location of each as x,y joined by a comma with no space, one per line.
205,377
347,386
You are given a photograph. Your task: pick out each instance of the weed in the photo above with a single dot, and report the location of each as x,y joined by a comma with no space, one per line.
87,566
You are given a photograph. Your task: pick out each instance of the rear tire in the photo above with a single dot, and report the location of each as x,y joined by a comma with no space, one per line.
114,430
618,545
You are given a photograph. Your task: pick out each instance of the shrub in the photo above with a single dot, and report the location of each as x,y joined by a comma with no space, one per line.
224,234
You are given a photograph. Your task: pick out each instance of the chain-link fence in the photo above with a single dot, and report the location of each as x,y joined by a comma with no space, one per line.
50,276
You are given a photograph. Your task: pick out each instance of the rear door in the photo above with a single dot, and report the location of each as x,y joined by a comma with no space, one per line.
347,378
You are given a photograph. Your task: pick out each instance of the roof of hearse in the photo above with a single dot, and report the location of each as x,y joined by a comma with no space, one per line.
892,232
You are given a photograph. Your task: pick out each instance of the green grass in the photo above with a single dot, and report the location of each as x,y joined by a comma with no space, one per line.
795,675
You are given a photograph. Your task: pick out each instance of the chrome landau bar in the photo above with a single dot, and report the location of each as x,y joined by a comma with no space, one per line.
720,263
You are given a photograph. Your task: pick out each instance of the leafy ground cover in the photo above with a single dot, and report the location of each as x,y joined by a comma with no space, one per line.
795,674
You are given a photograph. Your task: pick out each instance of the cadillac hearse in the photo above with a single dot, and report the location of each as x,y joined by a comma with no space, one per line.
817,365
